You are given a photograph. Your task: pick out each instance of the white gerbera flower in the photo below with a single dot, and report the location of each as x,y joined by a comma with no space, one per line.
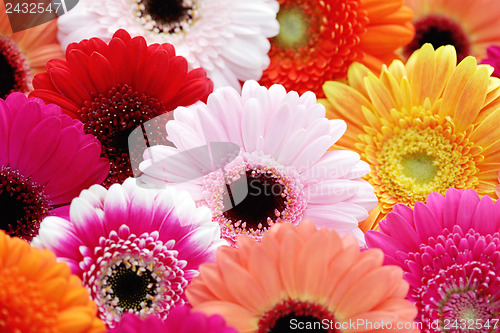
228,38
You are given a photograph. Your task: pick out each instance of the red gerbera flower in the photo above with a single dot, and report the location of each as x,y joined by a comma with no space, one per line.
114,88
318,40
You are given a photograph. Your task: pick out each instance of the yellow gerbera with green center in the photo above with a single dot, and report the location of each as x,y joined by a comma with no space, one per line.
424,127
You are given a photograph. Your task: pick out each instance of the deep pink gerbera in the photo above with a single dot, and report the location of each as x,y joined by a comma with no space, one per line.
46,159
180,320
116,87
450,251
135,249
493,59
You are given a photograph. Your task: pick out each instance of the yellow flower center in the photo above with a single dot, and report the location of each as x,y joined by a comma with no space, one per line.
420,167
420,156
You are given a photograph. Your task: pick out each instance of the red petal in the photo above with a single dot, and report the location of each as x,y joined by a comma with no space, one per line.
69,86
119,60
48,96
153,72
123,35
42,81
176,78
79,64
101,72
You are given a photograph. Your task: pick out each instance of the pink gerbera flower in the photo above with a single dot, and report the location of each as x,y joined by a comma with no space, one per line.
493,59
283,171
45,161
180,320
134,249
450,251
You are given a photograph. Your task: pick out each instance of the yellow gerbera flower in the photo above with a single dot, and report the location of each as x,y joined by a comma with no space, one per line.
424,127
38,294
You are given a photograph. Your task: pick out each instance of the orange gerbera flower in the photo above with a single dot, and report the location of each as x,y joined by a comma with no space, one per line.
318,40
470,26
423,127
305,277
24,54
38,294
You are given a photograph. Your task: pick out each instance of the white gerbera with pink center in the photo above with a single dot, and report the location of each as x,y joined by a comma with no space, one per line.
135,249
228,38
283,171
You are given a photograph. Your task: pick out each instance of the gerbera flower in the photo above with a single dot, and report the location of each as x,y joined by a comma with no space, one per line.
301,274
180,320
23,54
449,249
39,294
424,127
471,29
45,161
493,59
283,163
318,40
114,88
228,38
135,249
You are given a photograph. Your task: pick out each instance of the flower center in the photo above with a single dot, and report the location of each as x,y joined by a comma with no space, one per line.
253,195
133,274
133,288
166,16
439,31
317,42
292,316
294,26
418,160
461,291
23,204
420,167
15,72
111,118
265,192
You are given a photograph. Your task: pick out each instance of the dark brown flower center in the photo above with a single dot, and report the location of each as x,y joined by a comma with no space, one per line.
166,16
264,202
22,203
133,288
111,118
439,31
14,69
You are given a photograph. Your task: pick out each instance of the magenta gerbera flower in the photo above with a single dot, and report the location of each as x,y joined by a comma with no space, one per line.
134,249
493,59
180,320
283,171
450,251
46,159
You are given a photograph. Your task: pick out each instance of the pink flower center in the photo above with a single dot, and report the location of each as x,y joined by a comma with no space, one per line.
455,281
297,316
23,204
251,196
439,31
15,72
111,118
470,308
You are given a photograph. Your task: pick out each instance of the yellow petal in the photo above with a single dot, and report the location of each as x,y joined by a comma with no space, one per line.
456,85
472,99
